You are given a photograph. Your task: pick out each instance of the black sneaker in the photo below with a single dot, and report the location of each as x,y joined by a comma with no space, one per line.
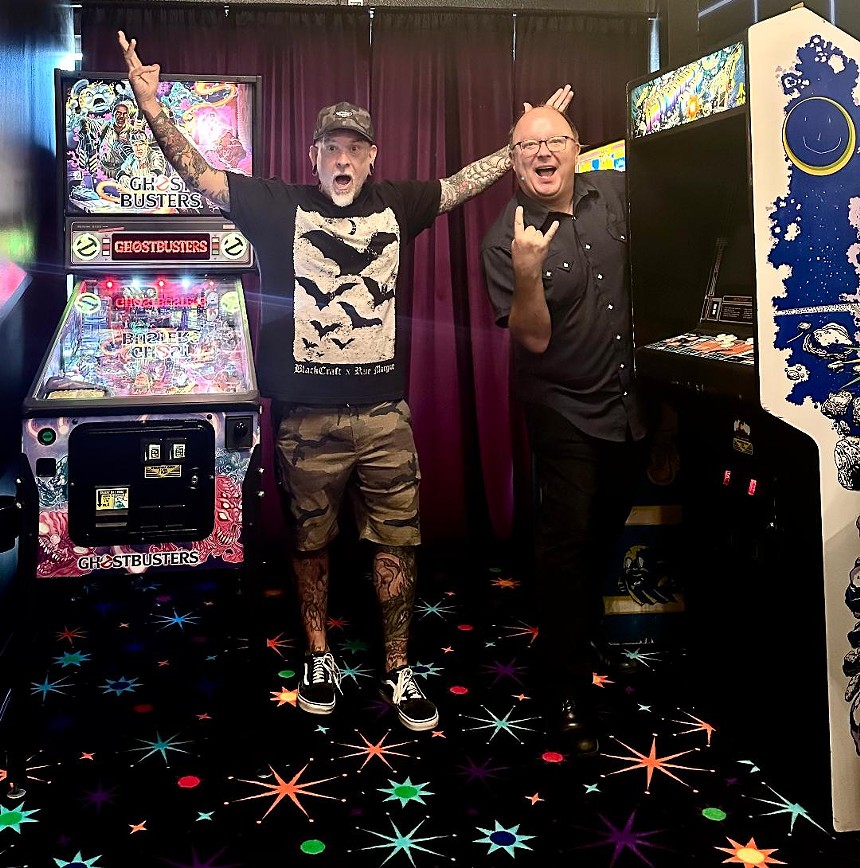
317,688
415,710
577,727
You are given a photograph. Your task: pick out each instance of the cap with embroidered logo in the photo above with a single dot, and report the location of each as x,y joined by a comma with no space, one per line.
344,116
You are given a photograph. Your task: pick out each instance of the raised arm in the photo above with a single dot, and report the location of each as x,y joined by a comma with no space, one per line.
529,319
180,153
474,178
477,176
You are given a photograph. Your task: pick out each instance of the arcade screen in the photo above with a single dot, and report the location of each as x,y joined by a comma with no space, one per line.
113,165
124,338
708,86
608,156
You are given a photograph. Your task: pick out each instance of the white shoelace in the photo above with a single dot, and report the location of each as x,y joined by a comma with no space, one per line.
406,686
323,665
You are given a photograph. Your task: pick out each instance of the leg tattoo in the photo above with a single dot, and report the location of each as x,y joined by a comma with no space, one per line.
394,578
311,571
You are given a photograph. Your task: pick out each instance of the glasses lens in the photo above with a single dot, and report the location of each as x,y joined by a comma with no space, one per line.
557,143
529,146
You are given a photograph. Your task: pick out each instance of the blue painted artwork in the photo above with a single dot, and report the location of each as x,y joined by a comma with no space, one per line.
816,233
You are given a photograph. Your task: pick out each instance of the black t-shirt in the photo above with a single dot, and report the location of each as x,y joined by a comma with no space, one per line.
330,280
586,372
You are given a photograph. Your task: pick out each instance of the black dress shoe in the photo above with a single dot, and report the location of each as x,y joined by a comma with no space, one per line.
577,728
610,660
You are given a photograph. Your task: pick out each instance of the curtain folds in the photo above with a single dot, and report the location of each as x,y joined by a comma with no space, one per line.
597,55
443,88
442,91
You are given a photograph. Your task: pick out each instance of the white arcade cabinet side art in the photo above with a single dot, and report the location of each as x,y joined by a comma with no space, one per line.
804,113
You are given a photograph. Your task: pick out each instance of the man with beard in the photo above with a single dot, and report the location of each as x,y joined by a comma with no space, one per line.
330,358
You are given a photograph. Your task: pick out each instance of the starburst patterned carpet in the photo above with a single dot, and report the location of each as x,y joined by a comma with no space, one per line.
159,728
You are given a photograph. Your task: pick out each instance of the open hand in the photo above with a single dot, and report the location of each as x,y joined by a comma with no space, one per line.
560,100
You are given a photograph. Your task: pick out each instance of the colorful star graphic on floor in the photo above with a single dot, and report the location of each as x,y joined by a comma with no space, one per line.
48,686
425,670
278,644
699,726
285,696
120,685
505,583
425,609
176,620
784,806
526,799
403,842
379,750
505,670
523,630
291,789
500,724
623,838
354,645
651,763
160,745
501,838
406,791
78,861
355,672
72,658
70,634
12,818
749,855
482,772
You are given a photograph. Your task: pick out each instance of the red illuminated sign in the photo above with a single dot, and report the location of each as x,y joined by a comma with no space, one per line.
156,246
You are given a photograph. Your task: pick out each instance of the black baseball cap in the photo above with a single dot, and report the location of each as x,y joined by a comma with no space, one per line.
344,116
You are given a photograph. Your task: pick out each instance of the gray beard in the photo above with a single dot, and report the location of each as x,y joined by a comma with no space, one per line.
342,200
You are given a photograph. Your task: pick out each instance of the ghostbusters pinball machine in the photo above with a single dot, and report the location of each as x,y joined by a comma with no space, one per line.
743,176
141,429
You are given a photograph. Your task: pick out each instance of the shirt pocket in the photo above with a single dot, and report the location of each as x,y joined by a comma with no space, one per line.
563,279
617,229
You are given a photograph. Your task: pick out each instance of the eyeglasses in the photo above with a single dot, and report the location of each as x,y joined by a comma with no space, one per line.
553,144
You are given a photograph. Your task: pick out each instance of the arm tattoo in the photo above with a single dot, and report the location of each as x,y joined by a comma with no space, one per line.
189,163
472,179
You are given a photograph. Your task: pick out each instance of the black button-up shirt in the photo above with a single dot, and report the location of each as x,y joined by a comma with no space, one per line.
586,372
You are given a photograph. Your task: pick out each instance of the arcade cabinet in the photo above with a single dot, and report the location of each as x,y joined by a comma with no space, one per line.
643,595
141,430
744,247
609,155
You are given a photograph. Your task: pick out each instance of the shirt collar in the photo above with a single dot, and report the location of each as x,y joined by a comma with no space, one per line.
535,213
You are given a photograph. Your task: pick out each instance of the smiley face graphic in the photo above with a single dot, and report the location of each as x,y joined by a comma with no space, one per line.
819,136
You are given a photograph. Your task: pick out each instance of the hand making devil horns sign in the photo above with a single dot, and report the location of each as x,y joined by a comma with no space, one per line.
143,79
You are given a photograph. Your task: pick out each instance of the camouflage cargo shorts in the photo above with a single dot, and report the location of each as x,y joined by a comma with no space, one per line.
367,452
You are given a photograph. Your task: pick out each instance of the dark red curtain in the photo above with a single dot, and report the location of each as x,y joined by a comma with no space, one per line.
443,88
442,95
597,55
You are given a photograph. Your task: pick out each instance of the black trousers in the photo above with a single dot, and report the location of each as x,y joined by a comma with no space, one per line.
585,493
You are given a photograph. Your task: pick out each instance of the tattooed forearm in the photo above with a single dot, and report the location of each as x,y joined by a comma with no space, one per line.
188,162
394,578
472,179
